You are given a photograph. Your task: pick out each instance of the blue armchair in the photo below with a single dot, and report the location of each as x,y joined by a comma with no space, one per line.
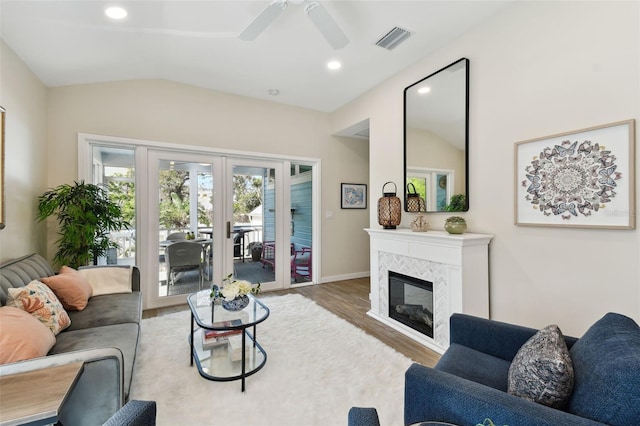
469,383
134,413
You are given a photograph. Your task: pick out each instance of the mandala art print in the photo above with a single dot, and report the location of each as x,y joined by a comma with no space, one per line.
581,179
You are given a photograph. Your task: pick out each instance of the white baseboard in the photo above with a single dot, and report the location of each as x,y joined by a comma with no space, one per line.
345,277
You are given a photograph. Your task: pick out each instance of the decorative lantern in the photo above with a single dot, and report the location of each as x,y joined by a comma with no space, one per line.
415,203
389,208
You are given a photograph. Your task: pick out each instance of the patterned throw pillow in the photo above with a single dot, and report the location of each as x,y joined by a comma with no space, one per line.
38,300
542,370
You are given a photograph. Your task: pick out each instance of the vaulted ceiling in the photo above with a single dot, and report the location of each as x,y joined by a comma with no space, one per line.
197,43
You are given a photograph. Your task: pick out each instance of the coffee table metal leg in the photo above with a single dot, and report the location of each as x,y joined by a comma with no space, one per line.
244,354
191,345
255,336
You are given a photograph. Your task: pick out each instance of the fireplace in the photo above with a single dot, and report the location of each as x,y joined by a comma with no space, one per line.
411,302
452,268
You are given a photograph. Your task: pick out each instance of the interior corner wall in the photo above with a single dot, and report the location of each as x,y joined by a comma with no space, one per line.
24,98
536,69
163,111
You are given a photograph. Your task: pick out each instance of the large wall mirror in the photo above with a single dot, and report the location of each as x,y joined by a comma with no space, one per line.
436,138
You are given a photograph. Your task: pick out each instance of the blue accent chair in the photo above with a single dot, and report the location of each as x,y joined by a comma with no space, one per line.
469,382
134,413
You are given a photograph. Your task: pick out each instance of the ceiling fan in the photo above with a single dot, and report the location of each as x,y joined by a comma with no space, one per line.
318,15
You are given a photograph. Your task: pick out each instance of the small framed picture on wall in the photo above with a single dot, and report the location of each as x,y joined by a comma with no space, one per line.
353,196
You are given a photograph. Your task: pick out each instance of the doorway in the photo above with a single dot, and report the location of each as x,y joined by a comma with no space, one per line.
254,233
249,217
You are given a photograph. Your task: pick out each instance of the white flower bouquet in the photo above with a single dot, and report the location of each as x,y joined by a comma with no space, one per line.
232,288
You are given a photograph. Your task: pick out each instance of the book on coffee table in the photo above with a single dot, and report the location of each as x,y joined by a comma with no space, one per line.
213,342
212,338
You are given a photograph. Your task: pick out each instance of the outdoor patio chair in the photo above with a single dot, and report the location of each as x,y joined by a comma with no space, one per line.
185,256
268,254
177,236
301,264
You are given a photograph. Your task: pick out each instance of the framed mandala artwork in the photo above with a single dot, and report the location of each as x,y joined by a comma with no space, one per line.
581,179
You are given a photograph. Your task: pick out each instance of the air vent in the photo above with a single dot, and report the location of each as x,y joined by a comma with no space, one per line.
393,38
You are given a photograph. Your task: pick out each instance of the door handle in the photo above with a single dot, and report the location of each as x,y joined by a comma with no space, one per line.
228,230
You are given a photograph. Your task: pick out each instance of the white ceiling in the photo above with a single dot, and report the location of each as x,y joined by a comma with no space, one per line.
195,42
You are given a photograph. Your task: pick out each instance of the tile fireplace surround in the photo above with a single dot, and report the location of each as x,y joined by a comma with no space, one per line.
457,265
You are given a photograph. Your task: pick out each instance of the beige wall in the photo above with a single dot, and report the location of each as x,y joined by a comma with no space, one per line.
428,150
175,113
537,69
25,99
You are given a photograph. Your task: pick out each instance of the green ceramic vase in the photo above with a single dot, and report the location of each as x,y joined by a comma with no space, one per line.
455,227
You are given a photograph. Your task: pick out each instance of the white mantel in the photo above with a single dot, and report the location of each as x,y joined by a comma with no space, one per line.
457,265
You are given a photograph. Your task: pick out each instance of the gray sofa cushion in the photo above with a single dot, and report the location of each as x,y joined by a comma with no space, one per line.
476,366
20,272
108,309
606,362
122,336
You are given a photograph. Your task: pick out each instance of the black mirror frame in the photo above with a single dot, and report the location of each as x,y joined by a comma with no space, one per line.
466,132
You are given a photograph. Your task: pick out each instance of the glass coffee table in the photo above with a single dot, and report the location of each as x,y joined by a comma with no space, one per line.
224,345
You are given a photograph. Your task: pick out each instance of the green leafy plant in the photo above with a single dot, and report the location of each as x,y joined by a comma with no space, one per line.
458,203
85,216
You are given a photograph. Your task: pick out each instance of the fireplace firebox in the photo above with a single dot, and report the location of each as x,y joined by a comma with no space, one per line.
411,302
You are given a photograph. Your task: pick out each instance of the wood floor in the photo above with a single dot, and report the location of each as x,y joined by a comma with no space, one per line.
349,300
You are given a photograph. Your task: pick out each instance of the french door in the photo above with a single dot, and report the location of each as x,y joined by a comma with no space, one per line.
199,226
242,215
184,200
256,243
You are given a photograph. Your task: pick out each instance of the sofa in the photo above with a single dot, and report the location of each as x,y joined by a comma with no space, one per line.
104,335
470,381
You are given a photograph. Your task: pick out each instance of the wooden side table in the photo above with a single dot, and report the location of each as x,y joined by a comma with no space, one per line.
35,397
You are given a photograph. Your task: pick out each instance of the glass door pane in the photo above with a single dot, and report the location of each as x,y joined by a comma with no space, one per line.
181,223
301,188
253,241
114,167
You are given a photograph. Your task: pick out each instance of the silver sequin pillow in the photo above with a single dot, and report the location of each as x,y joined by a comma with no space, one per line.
542,370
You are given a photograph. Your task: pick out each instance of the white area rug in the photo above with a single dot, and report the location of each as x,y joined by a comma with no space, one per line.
318,367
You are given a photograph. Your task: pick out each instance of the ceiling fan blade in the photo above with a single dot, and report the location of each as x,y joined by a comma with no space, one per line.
263,20
326,25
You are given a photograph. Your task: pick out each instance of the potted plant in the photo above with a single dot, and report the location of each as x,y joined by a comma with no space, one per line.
458,203
85,217
455,225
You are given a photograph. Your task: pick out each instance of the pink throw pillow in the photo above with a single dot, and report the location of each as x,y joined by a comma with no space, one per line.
23,336
71,287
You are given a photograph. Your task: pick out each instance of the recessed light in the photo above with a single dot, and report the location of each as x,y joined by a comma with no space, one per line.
334,65
424,89
115,12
